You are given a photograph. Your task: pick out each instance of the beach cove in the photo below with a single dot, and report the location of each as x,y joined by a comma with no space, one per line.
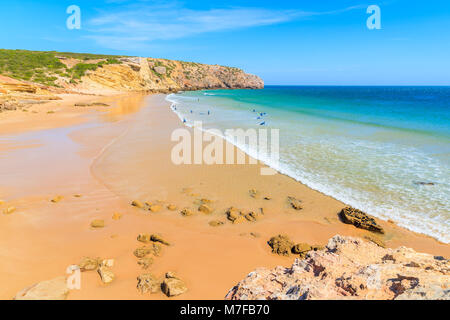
97,160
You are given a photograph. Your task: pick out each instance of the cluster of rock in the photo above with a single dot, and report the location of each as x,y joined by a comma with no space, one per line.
351,268
170,285
283,245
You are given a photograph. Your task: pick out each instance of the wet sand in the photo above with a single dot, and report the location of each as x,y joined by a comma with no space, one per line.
114,156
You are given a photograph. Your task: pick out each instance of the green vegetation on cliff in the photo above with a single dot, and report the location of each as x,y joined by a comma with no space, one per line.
45,67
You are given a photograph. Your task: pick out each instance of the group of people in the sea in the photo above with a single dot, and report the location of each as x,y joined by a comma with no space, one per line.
260,117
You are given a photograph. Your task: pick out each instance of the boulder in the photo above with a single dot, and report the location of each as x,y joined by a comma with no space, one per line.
55,289
147,283
106,275
89,264
281,245
252,216
351,268
359,219
173,286
233,214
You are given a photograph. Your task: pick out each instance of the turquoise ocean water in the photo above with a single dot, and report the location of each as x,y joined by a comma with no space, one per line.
366,146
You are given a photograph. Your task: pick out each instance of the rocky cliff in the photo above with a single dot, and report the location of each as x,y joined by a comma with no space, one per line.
351,268
36,72
159,75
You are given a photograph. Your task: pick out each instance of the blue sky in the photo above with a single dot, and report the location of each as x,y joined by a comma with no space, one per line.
285,42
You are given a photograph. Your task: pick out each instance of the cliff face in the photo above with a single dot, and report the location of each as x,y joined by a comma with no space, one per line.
159,75
351,268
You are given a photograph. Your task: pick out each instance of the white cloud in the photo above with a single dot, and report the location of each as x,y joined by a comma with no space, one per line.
134,25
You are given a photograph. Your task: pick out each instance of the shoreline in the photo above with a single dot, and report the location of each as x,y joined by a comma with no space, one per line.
286,173
114,161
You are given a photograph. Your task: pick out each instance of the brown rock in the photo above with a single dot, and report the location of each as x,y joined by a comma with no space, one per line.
359,219
254,193
147,284
233,214
145,263
281,245
137,204
187,212
252,216
155,208
106,275
89,264
143,237
98,224
57,199
295,203
172,207
216,223
375,240
173,286
205,209
9,210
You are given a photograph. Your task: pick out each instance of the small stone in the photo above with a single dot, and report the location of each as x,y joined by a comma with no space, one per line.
172,207
255,234
281,245
143,237
77,195
106,275
295,203
301,249
254,193
142,252
205,209
173,287
233,214
57,199
147,284
155,208
145,263
267,198
2,202
88,264
205,201
216,223
55,289
252,216
187,212
98,223
137,204
107,263
9,210
116,216
156,238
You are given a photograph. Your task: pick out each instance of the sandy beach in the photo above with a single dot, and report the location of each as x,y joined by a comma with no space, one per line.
110,156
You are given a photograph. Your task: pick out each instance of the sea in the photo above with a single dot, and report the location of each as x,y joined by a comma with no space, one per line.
383,150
